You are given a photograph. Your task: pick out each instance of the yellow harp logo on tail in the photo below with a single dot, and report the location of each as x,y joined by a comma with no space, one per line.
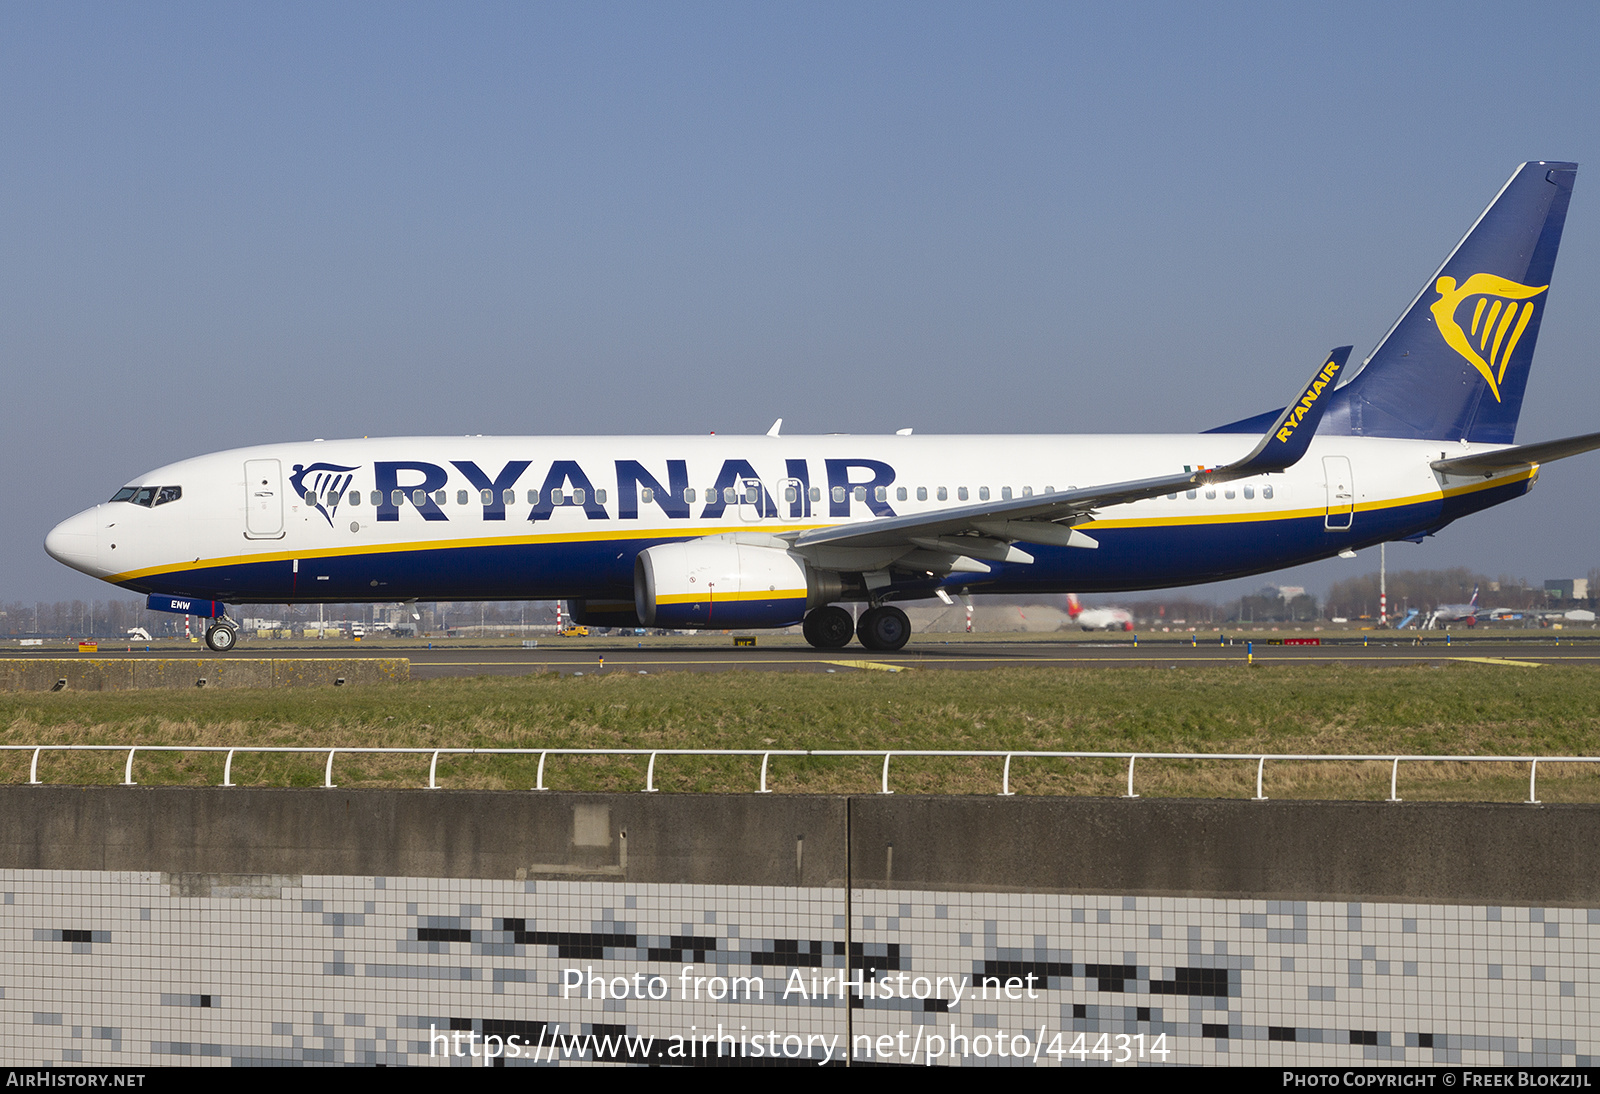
1501,314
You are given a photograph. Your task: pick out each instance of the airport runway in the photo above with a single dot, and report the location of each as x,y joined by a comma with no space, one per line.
666,654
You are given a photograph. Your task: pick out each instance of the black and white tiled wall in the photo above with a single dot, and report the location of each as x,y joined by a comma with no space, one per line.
125,969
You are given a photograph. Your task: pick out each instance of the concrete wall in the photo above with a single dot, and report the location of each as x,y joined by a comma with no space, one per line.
123,674
170,925
1445,852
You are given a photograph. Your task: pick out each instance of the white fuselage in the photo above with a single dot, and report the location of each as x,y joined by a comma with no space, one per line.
553,517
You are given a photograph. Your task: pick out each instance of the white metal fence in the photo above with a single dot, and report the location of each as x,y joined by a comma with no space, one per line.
1260,759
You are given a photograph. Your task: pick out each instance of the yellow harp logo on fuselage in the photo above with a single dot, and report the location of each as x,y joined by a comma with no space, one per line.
1501,314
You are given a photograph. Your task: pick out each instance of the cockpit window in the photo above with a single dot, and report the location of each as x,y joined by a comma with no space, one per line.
148,496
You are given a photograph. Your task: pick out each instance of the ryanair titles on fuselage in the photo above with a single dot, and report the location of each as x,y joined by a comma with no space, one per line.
566,483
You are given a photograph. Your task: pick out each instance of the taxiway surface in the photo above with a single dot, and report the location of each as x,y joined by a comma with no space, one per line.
453,657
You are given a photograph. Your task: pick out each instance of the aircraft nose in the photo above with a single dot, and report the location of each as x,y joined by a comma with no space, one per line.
75,542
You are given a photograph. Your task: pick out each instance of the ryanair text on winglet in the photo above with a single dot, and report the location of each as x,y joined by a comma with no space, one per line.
1324,380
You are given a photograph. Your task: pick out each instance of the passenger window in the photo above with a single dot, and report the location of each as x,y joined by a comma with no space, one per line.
688,494
419,498
1049,490
900,493
440,497
861,493
1249,492
647,495
816,493
1228,493
558,497
922,493
729,495
485,497
1172,497
1005,493
578,496
1027,491
533,497
838,493
1190,494
790,494
1211,495
944,494
355,497
311,497
983,493
1266,492
961,493
396,497
600,497
882,493
509,497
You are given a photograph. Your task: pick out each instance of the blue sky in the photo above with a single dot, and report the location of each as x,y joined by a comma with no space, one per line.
225,224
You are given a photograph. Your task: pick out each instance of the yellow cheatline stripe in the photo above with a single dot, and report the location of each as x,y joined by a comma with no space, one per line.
776,529
702,598
878,665
452,544
1293,514
1501,661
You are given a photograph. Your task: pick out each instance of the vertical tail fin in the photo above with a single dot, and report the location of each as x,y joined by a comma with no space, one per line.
1455,365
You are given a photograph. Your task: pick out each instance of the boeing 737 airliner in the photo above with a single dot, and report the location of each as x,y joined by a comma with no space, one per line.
769,531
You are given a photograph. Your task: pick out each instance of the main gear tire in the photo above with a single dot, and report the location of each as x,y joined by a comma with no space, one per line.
885,629
222,638
828,628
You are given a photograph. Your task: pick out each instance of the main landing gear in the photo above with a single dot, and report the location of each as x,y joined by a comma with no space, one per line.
884,628
828,628
221,637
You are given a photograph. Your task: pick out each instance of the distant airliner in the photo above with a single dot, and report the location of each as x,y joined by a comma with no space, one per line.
1446,614
769,531
1098,619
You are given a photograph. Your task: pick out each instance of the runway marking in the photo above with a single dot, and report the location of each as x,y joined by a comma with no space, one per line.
1185,657
1501,661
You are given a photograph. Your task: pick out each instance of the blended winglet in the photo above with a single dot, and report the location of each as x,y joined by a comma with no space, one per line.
1291,434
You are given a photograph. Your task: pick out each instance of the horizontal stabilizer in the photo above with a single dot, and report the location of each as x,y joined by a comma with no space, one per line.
1523,455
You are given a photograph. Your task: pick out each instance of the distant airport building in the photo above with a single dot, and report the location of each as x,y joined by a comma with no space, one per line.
1567,588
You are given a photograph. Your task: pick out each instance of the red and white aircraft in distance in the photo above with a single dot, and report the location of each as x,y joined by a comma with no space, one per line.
1098,619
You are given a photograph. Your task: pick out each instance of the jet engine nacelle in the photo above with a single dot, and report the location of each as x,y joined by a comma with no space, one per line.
602,613
720,583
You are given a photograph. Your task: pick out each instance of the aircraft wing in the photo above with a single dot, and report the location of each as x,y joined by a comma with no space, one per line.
1048,518
1522,455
